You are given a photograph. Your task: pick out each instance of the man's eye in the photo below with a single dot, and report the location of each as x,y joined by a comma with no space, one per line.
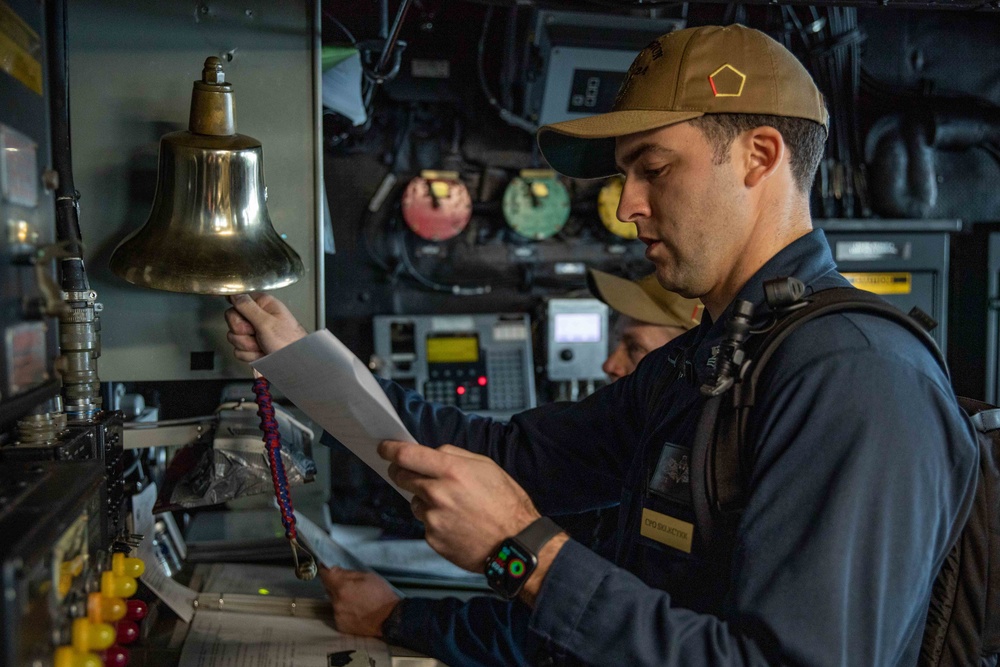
653,172
637,352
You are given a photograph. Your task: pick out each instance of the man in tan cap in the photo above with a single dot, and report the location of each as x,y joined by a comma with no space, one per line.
648,317
859,461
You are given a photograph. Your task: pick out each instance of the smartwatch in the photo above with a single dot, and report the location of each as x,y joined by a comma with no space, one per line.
516,557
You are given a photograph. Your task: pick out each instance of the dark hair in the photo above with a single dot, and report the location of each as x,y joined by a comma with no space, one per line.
805,139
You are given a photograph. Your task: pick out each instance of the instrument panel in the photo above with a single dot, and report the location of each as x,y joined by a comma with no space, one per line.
479,363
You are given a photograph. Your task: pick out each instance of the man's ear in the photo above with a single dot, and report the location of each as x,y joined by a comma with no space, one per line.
764,154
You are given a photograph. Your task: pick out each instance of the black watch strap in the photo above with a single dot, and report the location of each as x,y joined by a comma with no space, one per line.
540,531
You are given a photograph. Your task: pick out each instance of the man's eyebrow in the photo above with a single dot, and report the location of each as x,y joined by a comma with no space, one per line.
638,152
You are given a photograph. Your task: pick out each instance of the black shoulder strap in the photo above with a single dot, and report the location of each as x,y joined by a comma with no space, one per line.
826,302
720,456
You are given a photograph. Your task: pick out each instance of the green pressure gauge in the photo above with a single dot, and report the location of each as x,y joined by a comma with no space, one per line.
607,209
536,204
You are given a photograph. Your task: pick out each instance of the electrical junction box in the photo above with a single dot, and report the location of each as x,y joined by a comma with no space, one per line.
903,261
584,58
577,339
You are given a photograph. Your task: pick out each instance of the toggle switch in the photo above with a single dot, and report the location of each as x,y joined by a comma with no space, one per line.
131,567
105,609
67,656
118,586
89,636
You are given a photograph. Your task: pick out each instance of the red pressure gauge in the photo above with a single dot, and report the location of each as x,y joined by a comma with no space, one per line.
437,205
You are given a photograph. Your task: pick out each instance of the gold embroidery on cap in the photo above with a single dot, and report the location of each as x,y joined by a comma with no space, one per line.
726,85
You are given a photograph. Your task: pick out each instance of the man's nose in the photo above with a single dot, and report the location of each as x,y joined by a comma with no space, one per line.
614,365
633,204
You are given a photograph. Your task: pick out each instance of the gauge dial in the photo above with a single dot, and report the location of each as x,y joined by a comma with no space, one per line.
536,204
436,206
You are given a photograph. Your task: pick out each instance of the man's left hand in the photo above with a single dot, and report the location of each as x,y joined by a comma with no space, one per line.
361,600
467,502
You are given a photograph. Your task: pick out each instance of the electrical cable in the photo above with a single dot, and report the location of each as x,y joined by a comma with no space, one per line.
457,290
72,271
506,115
328,15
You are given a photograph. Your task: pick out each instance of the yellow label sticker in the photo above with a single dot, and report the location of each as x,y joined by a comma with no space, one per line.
882,283
20,48
667,530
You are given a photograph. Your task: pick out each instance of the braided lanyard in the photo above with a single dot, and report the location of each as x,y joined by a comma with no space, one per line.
272,443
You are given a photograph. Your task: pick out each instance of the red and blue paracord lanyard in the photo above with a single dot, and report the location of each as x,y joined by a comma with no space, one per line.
305,569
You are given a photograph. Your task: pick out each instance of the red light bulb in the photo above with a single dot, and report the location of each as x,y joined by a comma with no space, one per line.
116,656
136,610
128,632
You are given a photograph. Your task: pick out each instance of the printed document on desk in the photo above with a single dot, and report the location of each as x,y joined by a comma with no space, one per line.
222,639
331,385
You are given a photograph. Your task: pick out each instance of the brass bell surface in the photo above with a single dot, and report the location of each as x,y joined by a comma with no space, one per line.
208,231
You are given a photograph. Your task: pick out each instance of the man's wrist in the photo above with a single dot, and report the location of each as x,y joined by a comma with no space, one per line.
529,592
391,624
513,561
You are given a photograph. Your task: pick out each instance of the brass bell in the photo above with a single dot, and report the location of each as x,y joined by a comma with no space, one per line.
208,231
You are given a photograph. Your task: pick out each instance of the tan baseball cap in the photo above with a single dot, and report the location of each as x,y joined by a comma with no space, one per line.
680,76
645,300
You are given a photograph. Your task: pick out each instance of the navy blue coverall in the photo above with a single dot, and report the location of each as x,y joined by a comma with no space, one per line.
862,466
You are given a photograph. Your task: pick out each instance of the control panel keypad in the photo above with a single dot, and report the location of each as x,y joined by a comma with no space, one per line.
507,390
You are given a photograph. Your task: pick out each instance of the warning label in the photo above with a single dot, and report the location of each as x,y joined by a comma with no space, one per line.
882,283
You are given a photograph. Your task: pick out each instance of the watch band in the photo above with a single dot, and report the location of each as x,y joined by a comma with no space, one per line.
540,531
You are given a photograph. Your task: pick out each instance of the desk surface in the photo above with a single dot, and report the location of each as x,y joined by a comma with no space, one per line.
164,633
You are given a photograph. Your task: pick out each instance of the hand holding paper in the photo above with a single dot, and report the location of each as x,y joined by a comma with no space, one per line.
331,385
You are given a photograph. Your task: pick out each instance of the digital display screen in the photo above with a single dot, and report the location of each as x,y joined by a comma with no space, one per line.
452,349
508,562
577,328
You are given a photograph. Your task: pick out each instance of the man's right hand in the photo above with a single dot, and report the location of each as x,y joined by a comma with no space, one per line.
260,324
361,600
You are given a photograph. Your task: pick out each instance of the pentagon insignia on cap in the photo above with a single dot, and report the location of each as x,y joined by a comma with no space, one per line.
727,81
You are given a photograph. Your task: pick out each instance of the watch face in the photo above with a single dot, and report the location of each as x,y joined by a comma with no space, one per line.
509,567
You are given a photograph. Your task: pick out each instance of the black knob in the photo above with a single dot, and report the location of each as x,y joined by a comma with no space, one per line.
566,355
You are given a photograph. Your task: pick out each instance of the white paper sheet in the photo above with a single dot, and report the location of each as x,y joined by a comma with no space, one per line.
413,557
176,596
221,639
328,551
331,385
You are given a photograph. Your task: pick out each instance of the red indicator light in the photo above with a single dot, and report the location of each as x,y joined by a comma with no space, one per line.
482,380
460,390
